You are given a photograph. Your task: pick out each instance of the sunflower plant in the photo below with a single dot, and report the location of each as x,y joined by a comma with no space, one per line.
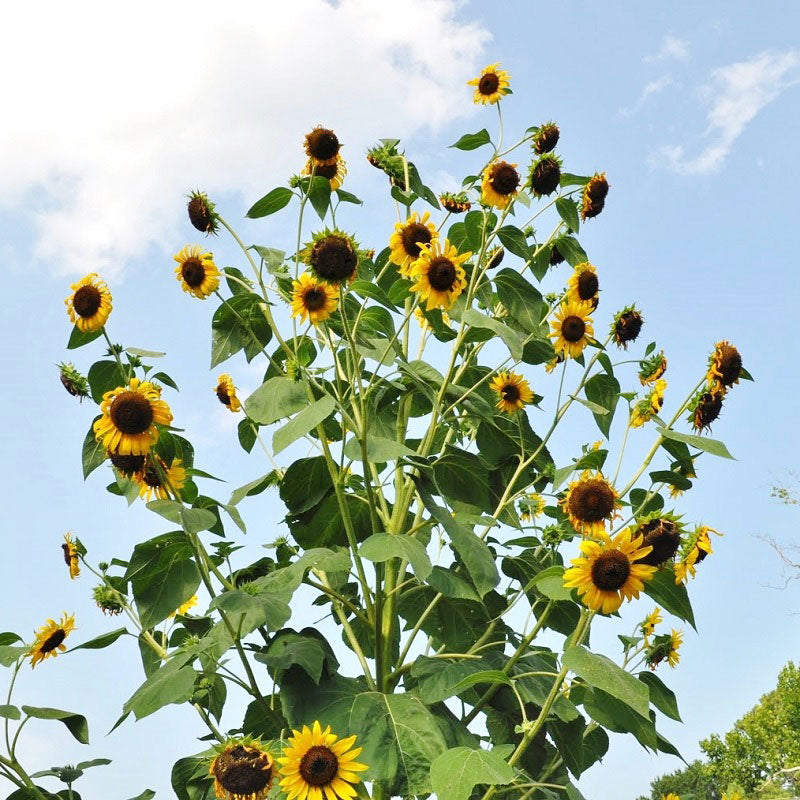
408,414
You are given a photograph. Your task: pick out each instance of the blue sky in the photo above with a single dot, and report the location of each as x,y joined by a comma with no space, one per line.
691,111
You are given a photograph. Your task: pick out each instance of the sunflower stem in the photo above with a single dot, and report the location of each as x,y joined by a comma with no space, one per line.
112,350
17,666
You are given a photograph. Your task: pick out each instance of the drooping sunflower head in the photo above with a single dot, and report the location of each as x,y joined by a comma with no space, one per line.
159,481
589,503
545,174
387,158
554,362
531,506
408,238
242,770
89,305
662,532
332,256
125,465
644,410
513,391
108,599
594,196
609,571
490,85
129,418
439,275
495,258
202,214
651,369
312,300
648,624
72,380
724,366
316,764
196,271
704,408
500,184
184,608
556,256
572,328
663,648
695,549
322,146
686,471
335,172
455,203
70,550
546,139
583,285
226,393
50,638
626,326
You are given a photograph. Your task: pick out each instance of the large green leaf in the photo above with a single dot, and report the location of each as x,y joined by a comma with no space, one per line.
93,454
104,640
76,723
378,449
456,772
275,399
307,650
383,546
603,390
105,376
324,526
512,340
673,597
459,475
271,202
522,301
305,483
437,678
239,323
516,242
308,419
472,141
619,717
250,611
172,683
713,446
661,696
568,211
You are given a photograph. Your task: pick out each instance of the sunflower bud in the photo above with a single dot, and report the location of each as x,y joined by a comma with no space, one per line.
202,214
73,381
108,600
387,158
545,175
651,369
455,203
546,139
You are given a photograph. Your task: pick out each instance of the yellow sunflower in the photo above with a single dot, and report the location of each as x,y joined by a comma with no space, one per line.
196,271
335,171
649,406
130,415
665,648
71,556
572,328
500,184
607,572
724,366
89,305
583,285
316,764
242,770
670,796
490,85
125,465
513,391
651,369
407,240
696,549
226,393
531,506
184,607
440,278
312,300
50,638
648,626
589,502
157,481
322,146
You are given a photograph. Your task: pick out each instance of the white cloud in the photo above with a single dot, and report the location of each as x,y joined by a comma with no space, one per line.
653,87
113,113
671,47
736,93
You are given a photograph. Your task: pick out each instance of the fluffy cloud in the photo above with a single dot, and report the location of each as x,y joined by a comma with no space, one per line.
736,93
671,47
115,112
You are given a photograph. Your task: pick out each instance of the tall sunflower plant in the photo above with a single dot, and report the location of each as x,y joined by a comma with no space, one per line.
408,415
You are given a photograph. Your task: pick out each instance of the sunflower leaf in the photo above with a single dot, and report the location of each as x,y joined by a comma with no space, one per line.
671,596
271,202
319,194
456,772
76,723
99,642
472,141
93,454
275,399
383,546
712,446
9,712
568,211
308,419
661,696
78,338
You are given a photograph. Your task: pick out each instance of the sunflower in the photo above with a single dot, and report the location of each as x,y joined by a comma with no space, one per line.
50,638
626,326
649,406
455,203
724,366
72,380
704,408
322,146
226,393
316,764
242,770
572,328
332,256
108,599
554,362
490,85
407,240
513,391
583,285
196,271
500,184
312,300
663,534
335,172
589,502
606,573
440,278
651,369
202,214
686,472
665,647
594,196
125,465
695,550
546,138
71,556
531,506
181,610
648,625
545,174
670,796
423,321
89,305
556,256
130,415
156,480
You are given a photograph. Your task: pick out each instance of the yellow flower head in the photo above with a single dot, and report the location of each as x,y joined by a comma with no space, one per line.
583,285
607,573
649,406
648,625
312,300
513,391
572,328
531,506
665,648
589,502
243,770
50,639
226,393
70,550
317,765
500,184
181,610
695,550
157,481
724,366
129,418
408,238
335,171
322,146
651,369
196,271
490,85
89,305
439,276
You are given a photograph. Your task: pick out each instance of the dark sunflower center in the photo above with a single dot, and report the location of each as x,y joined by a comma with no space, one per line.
610,571
314,298
244,771
701,554
663,536
199,214
67,554
489,83
707,409
333,258
510,392
442,274
131,413
319,766
86,301
547,139
127,465
322,144
193,272
151,476
223,396
53,640
592,501
628,326
545,176
504,178
597,188
730,365
413,236
587,285
555,256
573,328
